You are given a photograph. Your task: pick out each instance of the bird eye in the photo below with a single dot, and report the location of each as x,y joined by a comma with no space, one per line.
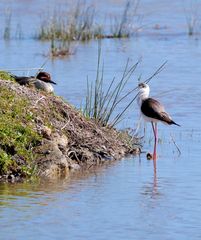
141,85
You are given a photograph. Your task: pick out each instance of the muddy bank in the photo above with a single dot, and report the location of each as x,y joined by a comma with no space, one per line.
47,137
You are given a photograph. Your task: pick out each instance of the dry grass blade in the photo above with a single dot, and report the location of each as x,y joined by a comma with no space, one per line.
119,116
131,91
160,69
179,151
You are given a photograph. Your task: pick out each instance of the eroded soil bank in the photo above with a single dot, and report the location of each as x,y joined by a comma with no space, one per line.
42,135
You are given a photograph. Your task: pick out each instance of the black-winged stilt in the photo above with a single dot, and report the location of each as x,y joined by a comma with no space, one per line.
152,111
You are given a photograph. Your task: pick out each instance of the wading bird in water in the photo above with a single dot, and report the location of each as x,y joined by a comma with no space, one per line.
152,111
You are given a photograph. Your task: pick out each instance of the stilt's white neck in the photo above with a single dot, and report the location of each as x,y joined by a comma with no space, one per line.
143,94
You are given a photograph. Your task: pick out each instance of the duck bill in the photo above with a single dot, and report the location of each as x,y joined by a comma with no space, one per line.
52,82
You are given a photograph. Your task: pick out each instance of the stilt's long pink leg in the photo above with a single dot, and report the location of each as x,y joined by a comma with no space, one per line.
155,143
156,132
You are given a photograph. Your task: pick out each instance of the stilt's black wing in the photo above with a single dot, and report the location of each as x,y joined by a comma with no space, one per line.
154,109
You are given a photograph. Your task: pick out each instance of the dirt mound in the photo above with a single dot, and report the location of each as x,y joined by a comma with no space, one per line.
62,138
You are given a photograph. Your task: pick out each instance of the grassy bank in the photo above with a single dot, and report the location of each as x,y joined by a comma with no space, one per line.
17,134
42,135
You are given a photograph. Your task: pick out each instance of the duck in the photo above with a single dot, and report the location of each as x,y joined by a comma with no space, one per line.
42,81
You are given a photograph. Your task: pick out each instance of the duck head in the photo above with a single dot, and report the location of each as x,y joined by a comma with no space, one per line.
45,77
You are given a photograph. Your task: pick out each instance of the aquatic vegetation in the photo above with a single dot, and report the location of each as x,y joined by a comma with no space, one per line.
192,18
7,28
78,24
60,49
19,33
123,27
100,104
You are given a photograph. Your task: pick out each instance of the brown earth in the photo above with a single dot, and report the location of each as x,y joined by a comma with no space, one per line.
69,140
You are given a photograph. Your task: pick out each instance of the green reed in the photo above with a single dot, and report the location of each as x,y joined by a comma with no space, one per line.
60,48
100,103
78,24
7,28
192,18
122,27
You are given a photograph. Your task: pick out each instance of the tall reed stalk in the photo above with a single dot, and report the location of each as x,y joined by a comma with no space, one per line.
60,48
7,28
192,18
123,26
78,24
101,103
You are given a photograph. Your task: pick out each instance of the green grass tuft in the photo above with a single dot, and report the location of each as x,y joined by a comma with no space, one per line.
17,134
101,103
6,76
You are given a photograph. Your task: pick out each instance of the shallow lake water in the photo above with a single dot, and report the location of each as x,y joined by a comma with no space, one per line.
122,200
